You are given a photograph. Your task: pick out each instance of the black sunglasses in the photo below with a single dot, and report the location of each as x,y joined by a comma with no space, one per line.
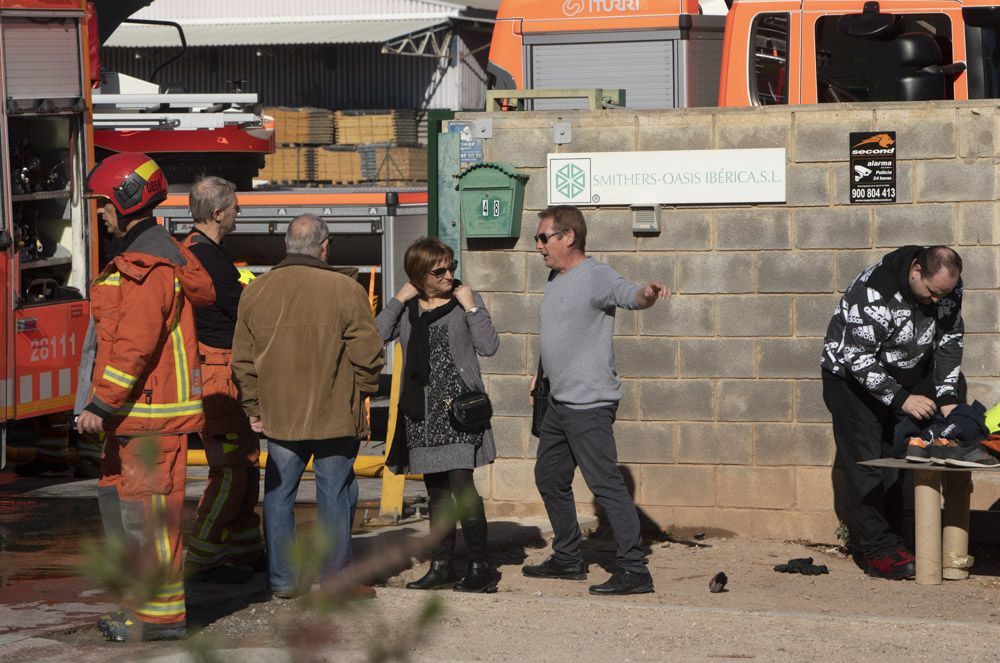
544,239
441,271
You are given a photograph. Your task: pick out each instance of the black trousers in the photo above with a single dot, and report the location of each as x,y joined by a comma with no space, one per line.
571,438
863,430
453,497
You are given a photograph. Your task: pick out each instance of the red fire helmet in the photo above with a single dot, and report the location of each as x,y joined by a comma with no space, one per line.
130,180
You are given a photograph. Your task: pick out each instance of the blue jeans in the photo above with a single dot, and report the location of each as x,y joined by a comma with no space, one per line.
336,498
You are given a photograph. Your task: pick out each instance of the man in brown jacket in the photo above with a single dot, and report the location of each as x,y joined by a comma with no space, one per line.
305,352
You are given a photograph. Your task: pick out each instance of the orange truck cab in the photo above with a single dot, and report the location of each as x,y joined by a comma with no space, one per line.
666,54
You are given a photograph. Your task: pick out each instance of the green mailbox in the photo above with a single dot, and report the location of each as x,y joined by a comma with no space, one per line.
491,200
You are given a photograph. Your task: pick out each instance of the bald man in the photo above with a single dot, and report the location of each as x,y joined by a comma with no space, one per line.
305,354
893,349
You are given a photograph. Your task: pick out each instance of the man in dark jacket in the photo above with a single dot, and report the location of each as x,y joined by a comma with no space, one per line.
893,348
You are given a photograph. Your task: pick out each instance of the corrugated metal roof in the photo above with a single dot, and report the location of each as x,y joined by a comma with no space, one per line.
341,76
491,5
225,10
247,33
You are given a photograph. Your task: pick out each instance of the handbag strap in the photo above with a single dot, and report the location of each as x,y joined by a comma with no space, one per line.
539,377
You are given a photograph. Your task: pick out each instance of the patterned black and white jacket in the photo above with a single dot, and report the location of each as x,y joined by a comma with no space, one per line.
881,336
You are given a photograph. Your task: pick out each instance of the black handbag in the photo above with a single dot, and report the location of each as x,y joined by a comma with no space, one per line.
541,397
470,412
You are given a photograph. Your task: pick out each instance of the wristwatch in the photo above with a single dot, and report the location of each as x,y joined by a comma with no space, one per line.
471,310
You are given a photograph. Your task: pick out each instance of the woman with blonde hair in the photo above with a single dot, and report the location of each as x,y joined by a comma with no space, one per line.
443,327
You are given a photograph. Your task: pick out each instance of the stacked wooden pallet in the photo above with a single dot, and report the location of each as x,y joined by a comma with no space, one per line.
338,164
388,162
302,126
290,163
371,146
358,127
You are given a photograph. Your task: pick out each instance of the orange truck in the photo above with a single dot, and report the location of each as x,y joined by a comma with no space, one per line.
667,54
48,251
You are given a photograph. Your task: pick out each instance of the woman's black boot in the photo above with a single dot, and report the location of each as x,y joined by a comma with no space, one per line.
479,578
440,575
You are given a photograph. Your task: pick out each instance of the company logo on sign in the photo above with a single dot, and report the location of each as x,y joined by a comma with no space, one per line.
574,7
879,144
571,180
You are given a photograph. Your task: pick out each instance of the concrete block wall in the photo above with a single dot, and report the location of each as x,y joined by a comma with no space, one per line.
722,427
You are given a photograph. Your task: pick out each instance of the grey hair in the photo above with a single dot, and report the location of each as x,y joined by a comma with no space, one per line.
209,194
305,235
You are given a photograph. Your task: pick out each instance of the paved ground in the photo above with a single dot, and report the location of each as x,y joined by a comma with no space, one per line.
47,611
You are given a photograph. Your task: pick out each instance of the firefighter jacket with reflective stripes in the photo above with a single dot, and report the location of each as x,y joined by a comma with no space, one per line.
147,378
881,336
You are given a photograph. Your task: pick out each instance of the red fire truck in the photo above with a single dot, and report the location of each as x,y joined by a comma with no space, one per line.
221,133
47,250
51,127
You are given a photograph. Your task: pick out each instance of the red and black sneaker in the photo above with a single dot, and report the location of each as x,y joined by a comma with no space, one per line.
900,564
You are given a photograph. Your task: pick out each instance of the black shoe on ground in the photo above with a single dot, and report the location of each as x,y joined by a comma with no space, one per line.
624,582
288,594
36,467
132,630
550,568
479,579
224,575
897,565
439,576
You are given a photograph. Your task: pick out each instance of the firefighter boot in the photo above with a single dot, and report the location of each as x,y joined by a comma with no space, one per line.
128,629
104,621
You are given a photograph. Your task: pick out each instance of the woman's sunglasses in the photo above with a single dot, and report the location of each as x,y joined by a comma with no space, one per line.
441,271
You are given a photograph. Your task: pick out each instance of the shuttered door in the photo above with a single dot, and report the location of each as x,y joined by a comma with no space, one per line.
644,68
41,59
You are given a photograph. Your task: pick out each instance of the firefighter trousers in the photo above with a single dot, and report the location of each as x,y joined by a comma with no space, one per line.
141,496
227,527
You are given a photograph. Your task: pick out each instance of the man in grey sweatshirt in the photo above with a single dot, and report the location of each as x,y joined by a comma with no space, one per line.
577,324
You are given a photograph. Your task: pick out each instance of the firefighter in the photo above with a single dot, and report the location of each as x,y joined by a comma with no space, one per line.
146,392
225,544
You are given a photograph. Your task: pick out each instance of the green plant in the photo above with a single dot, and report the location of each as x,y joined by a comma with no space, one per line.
843,534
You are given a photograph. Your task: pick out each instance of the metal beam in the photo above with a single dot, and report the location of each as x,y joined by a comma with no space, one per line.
434,42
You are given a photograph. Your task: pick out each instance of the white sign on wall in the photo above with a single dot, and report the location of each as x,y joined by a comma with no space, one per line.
670,177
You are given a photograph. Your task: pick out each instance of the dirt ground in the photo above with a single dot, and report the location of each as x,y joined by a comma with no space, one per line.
763,615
